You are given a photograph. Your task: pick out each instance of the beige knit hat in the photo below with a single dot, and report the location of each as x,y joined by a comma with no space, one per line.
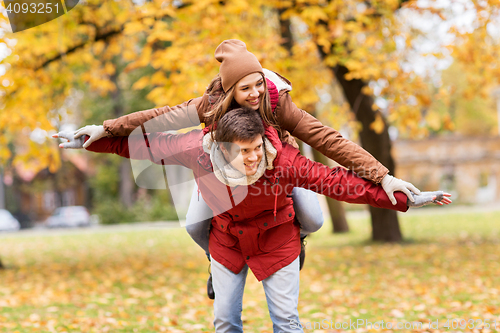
236,62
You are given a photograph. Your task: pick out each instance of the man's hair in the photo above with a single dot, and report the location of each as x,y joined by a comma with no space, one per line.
241,124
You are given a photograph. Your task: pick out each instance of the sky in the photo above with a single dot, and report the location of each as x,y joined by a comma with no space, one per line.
460,14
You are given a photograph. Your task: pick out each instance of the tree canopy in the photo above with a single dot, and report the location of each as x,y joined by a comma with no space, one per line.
98,45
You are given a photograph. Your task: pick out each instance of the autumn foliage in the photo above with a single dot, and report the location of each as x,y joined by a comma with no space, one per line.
98,45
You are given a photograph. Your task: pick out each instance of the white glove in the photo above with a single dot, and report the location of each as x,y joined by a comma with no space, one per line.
72,142
392,184
425,198
95,132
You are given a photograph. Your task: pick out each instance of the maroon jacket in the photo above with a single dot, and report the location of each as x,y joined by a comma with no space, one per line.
254,224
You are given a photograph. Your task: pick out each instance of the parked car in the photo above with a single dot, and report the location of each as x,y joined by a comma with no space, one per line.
70,216
8,222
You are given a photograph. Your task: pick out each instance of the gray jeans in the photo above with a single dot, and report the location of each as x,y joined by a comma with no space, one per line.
282,295
305,204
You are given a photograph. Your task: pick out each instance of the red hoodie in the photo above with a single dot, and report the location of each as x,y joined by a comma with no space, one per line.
253,225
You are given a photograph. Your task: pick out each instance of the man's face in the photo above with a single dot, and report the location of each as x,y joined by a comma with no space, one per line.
245,156
249,91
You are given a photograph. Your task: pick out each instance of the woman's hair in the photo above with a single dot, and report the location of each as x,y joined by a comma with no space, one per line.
219,102
240,124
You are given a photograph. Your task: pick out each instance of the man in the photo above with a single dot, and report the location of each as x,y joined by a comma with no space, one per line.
245,174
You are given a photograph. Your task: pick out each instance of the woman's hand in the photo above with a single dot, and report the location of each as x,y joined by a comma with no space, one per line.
95,132
392,184
72,142
425,198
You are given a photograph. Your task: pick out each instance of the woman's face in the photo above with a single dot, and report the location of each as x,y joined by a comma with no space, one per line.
249,90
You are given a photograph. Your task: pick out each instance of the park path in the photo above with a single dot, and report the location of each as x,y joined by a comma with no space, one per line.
126,227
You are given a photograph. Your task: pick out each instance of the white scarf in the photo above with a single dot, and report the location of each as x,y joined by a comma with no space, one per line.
230,176
278,82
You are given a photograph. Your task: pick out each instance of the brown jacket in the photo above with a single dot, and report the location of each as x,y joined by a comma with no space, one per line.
297,122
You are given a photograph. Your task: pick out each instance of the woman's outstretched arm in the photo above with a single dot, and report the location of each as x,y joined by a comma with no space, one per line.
330,143
160,148
187,114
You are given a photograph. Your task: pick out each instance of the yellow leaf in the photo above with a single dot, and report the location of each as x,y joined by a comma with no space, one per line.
134,27
378,124
158,78
109,68
114,49
5,154
142,83
149,21
129,55
433,120
98,47
314,14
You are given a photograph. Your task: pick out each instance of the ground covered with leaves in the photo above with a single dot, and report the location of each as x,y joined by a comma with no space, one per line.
446,273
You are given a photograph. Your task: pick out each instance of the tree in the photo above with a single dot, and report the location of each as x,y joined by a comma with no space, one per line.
470,114
357,40
365,44
97,45
335,208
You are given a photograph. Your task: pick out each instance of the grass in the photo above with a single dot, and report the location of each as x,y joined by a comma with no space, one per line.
154,280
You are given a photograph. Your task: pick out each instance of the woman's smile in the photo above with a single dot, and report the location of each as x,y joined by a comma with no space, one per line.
254,101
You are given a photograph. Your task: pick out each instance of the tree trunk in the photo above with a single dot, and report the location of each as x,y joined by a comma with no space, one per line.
335,208
285,31
385,225
2,190
126,183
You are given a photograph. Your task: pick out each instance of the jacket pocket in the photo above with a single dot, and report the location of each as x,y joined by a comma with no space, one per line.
224,238
267,221
273,238
274,233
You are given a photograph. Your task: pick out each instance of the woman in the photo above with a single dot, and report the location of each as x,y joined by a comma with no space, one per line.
242,82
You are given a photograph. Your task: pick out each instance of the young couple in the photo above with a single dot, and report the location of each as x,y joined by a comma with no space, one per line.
253,179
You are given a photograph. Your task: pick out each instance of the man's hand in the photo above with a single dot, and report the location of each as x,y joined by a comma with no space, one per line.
95,132
425,198
72,142
391,184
